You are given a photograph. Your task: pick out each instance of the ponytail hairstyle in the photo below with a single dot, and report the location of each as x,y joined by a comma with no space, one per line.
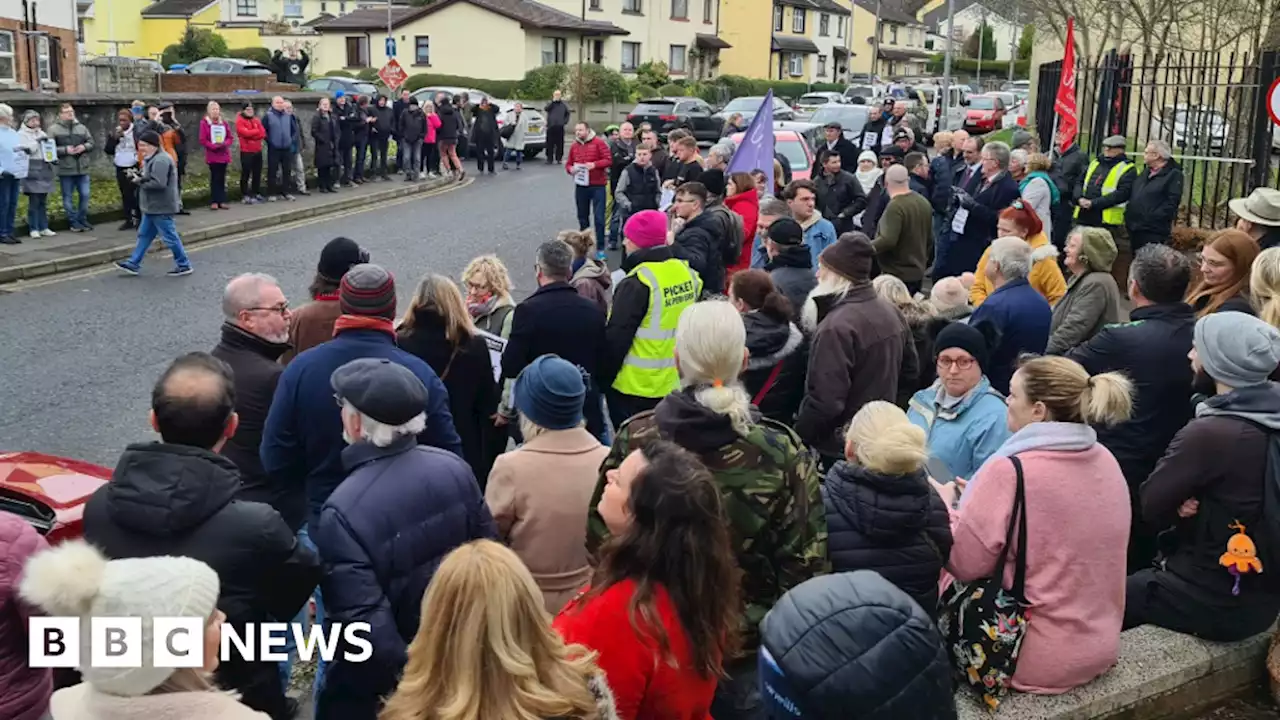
711,347
1070,394
883,441
1264,286
756,290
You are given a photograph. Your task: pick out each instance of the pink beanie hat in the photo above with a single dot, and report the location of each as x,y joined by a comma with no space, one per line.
646,229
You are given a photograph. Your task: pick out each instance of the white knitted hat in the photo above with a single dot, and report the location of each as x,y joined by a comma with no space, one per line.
74,578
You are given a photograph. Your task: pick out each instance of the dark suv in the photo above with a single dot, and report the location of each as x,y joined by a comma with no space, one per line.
667,114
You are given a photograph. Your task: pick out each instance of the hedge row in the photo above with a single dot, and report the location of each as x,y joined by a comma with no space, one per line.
998,68
495,88
256,54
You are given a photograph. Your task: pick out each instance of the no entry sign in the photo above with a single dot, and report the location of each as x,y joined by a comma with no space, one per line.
1273,102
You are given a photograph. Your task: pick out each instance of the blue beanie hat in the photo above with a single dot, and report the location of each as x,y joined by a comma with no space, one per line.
339,94
550,392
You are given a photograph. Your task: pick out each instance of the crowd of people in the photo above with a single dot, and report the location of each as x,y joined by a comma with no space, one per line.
659,494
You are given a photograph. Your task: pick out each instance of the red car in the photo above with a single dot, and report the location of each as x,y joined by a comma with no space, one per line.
792,145
984,114
49,492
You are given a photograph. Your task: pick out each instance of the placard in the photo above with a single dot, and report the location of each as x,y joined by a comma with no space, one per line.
217,134
496,346
869,140
959,220
668,197
582,176
49,149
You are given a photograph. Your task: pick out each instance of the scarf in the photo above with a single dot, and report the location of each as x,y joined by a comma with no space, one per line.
327,297
479,310
30,137
868,179
363,322
1053,187
1060,436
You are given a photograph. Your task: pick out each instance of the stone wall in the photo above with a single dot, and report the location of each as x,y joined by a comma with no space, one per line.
98,113
102,75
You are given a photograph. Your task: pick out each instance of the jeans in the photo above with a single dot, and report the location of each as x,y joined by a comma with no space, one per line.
412,158
250,174
378,158
279,169
513,154
37,212
162,225
9,203
344,153
590,200
615,221
77,216
362,149
217,183
286,667
128,195
325,177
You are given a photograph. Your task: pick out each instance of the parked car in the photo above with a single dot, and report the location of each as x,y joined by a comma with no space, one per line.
1193,127
985,113
864,94
535,140
809,104
49,492
227,66
430,93
793,145
748,106
668,113
850,117
348,86
1010,100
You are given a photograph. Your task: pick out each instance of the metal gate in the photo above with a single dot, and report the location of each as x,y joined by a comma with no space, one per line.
1209,107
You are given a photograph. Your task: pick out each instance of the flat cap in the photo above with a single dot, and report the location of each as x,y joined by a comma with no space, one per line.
385,391
1114,141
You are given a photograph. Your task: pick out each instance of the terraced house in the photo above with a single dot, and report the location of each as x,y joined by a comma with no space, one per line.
805,40
900,51
38,51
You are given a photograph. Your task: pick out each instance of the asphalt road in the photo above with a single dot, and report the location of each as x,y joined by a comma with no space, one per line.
81,354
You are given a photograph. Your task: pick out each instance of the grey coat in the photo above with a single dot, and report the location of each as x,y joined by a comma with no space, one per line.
66,135
158,188
517,139
1092,301
39,179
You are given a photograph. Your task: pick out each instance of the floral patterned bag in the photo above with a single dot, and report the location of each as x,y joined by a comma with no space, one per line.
983,624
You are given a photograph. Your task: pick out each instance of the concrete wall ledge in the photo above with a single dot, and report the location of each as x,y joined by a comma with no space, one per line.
1160,674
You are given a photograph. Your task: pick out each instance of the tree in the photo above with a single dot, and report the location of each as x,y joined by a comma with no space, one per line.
592,83
196,44
1026,42
540,83
988,39
653,72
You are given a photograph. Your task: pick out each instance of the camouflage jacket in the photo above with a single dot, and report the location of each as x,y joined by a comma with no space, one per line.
781,540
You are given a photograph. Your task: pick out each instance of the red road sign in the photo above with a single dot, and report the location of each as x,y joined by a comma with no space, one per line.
1273,102
392,75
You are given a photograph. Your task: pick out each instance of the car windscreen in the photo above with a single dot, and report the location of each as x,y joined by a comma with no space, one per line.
814,100
850,117
982,103
862,91
655,107
793,150
743,104
366,89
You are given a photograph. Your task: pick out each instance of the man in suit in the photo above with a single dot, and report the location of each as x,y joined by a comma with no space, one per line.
969,170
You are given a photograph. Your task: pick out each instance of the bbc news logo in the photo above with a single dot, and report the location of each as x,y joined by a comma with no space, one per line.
178,642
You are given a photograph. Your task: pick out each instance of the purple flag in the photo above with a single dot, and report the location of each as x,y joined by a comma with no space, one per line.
756,150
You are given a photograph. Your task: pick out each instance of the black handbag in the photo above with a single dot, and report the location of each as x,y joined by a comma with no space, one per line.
508,130
982,623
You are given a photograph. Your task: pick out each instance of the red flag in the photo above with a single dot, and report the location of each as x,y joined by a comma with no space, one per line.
1064,105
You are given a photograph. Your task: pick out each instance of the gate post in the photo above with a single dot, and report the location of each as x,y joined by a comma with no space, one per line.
1268,71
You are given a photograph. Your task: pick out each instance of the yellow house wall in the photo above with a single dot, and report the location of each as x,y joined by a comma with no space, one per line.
241,37
864,24
747,25
114,20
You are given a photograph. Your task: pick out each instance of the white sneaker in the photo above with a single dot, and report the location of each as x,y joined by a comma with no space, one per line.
36,234
47,232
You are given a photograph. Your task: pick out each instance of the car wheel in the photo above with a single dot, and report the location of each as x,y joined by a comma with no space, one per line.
531,151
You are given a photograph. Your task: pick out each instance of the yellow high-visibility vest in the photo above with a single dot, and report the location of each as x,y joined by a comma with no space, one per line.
1113,215
649,370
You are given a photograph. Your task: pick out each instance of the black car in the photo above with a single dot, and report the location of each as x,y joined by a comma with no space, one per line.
349,87
667,114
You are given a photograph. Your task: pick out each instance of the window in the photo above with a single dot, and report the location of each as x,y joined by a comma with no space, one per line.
635,7
554,50
42,58
342,7
324,6
597,52
79,29
840,26
422,50
8,70
595,5
893,34
797,20
777,18
358,52
247,7
795,61
677,63
293,8
679,9
630,56
822,66
706,11
824,25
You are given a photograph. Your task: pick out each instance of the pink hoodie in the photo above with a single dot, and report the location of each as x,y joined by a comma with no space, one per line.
433,122
1077,536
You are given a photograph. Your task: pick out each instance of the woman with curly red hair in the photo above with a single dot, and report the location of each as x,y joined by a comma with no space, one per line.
1020,220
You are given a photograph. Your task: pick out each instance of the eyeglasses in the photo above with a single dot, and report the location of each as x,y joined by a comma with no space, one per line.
958,363
282,309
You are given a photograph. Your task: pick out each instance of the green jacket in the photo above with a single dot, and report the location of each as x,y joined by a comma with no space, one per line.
781,539
66,135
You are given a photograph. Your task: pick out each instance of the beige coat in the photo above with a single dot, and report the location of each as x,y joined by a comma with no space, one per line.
82,702
539,495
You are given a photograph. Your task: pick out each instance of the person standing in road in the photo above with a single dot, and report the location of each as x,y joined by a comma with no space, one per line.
590,276
557,115
942,174
836,143
1157,193
251,133
1102,195
639,186
699,236
217,139
904,232
447,138
684,164
313,323
158,200
379,138
283,138
873,130
839,194
484,135
650,138
299,144
413,128
430,146
790,265
74,143
589,162
1015,308
40,173
518,122
122,146
639,367
255,333
977,212
326,132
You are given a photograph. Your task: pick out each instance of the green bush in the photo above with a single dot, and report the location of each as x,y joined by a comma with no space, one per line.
540,83
339,73
597,84
641,92
368,75
998,68
653,72
196,44
737,85
256,54
671,90
503,89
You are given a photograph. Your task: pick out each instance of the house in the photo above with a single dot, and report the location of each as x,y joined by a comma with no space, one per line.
141,28
51,43
491,39
270,17
969,16
807,40
900,51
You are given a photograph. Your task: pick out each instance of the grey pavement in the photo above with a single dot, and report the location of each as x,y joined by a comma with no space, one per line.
80,355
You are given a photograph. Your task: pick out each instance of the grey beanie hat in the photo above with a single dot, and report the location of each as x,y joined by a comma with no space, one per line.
1237,349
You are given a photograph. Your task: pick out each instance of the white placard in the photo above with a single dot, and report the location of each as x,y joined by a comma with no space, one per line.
869,140
958,222
496,346
49,149
217,134
617,276
582,176
668,197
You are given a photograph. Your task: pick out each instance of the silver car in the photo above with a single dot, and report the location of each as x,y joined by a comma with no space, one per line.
535,140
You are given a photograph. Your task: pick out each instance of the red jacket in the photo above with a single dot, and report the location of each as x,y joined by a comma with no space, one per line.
251,134
594,151
24,691
645,686
747,206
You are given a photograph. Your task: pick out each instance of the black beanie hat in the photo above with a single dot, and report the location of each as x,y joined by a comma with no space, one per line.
150,137
785,231
338,256
713,181
977,340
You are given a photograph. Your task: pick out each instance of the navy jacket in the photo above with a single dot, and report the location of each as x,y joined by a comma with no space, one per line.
963,251
302,441
555,319
1023,317
381,535
942,173
282,131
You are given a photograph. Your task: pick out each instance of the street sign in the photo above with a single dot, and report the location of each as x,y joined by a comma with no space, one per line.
392,75
391,47
1273,102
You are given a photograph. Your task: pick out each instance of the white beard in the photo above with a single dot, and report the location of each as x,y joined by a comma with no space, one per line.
832,284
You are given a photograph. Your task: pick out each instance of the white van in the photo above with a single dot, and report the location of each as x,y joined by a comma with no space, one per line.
932,97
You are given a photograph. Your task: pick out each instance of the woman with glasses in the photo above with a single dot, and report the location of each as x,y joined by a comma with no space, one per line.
962,415
1225,263
1093,298
1021,221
